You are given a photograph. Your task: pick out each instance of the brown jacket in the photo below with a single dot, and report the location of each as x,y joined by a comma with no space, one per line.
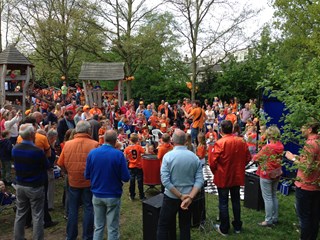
74,156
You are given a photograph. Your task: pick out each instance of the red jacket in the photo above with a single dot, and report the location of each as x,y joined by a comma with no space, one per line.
228,159
269,157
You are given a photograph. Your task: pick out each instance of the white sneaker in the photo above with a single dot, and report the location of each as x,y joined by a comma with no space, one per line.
217,228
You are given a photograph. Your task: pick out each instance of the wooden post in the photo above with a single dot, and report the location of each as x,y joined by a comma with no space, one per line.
24,91
85,91
2,87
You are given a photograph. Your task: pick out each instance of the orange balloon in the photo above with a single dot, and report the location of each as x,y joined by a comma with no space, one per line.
189,85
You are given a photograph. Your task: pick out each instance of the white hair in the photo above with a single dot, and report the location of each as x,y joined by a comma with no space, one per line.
83,127
26,130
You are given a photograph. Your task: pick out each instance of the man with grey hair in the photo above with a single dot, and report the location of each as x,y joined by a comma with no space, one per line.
181,175
107,170
73,161
30,164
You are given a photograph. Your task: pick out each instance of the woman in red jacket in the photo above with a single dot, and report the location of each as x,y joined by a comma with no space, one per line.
269,158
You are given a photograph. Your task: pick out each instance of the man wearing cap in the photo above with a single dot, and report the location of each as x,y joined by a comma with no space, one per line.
86,115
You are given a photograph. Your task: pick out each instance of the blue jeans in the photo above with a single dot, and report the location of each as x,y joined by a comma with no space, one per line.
194,135
136,173
269,194
224,208
308,210
106,210
167,220
75,196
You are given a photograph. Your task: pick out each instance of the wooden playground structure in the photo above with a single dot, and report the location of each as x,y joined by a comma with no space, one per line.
93,72
17,78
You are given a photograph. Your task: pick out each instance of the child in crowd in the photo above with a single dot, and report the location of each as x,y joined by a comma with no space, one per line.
211,136
133,154
189,144
251,138
5,156
153,120
164,147
186,125
163,124
102,131
202,148
5,197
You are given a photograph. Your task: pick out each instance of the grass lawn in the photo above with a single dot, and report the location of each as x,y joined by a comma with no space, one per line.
131,220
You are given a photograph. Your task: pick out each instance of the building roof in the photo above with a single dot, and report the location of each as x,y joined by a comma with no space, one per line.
102,71
11,55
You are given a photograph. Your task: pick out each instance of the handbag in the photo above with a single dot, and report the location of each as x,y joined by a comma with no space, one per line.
275,173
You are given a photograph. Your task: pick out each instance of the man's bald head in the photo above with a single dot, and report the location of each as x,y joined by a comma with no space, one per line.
179,137
110,137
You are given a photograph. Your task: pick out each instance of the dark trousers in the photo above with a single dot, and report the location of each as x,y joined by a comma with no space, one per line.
308,210
136,173
167,220
224,209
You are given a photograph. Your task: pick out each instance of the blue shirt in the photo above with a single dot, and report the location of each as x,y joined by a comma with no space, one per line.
106,168
181,169
147,113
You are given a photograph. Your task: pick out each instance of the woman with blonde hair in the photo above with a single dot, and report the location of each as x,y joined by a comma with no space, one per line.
269,170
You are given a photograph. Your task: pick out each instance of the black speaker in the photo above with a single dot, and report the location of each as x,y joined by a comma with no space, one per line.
151,211
198,209
252,192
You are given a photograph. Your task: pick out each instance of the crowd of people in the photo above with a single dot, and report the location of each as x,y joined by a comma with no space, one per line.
99,149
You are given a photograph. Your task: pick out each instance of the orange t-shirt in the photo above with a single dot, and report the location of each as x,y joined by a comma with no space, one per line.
163,125
133,155
163,149
101,133
153,121
198,117
231,117
201,151
40,141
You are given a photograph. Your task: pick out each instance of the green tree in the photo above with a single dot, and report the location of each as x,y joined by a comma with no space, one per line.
61,35
293,72
123,19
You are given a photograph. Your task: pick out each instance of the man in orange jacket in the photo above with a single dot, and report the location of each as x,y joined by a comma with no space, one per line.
73,160
228,159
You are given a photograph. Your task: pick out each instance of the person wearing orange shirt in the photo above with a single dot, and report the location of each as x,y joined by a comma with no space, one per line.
133,154
231,116
163,123
308,181
198,117
211,135
227,161
101,132
95,110
153,120
164,147
202,148
161,106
